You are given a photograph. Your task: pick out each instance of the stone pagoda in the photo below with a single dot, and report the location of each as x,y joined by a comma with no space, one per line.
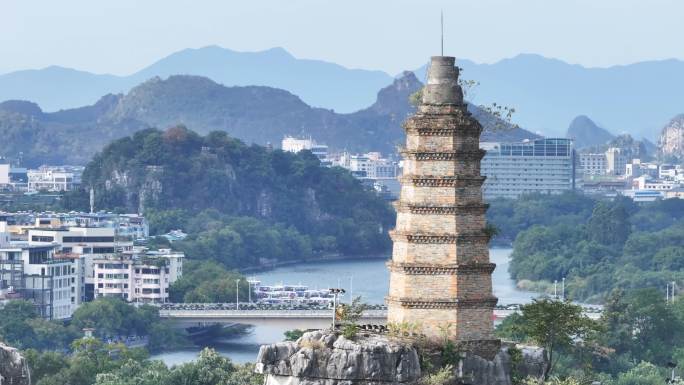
440,269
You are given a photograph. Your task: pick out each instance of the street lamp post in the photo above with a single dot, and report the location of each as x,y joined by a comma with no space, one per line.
563,289
351,289
335,293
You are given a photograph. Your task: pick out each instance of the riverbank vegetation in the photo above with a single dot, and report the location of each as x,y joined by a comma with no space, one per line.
636,341
111,320
596,245
95,363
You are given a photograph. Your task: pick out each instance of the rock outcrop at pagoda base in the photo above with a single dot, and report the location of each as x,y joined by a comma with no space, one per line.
531,362
13,367
327,358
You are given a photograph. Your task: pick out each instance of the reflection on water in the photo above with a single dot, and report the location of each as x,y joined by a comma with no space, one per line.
364,277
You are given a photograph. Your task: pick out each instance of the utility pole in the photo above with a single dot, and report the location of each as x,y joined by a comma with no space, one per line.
237,294
667,293
555,288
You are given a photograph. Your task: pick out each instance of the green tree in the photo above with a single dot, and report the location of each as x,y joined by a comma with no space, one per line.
555,325
609,224
44,364
641,325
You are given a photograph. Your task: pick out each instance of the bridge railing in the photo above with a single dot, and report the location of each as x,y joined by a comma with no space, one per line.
209,313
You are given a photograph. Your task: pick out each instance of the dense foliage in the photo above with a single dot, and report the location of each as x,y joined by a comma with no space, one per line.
241,204
22,327
111,318
596,245
511,216
94,363
639,333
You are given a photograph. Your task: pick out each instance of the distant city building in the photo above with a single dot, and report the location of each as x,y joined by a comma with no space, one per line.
541,165
12,178
88,243
637,168
4,175
370,165
59,260
137,276
616,161
54,178
291,144
43,276
593,164
175,235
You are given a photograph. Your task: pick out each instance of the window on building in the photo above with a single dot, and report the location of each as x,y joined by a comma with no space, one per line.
85,239
42,238
38,256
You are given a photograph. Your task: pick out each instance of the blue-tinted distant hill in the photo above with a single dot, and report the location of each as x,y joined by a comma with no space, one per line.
637,99
586,133
317,83
254,114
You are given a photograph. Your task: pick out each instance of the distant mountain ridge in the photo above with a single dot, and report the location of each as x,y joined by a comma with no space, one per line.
637,99
253,114
317,82
547,93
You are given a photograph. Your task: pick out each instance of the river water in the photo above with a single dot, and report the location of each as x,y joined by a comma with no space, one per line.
368,278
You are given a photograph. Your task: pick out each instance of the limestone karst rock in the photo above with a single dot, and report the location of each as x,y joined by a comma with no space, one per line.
13,367
328,359
325,358
671,142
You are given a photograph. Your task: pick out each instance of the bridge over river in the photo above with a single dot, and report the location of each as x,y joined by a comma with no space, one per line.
298,319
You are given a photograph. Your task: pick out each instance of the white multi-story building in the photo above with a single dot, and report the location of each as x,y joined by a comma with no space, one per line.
54,178
637,168
671,172
646,182
296,145
49,279
138,276
616,161
541,165
4,174
88,243
593,164
370,165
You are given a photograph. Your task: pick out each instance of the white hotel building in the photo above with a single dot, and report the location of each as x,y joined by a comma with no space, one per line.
532,166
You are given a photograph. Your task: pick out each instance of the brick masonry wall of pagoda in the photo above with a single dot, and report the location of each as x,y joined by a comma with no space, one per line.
440,269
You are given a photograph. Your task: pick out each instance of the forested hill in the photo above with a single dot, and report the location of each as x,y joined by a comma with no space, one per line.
253,114
597,246
240,203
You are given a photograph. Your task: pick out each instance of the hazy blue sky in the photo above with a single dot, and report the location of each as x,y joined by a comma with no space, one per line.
123,36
